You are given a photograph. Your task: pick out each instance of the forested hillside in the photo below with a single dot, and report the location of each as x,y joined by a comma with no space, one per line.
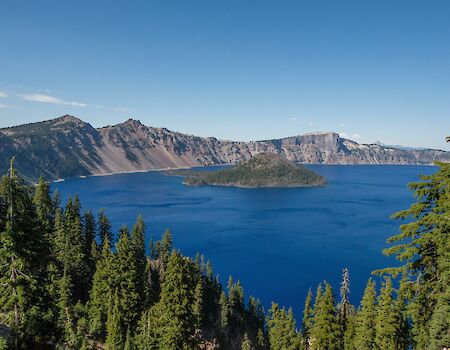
69,282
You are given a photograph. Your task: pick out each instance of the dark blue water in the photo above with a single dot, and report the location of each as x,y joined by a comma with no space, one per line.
279,241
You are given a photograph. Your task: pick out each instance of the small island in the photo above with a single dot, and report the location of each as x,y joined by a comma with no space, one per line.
262,170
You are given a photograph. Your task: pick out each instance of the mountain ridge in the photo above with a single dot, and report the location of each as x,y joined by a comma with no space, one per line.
67,147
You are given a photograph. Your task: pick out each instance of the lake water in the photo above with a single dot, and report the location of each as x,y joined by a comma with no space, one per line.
278,242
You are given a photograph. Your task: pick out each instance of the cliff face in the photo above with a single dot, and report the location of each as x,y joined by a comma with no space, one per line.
66,146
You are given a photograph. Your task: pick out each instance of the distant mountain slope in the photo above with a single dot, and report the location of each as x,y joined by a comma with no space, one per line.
66,147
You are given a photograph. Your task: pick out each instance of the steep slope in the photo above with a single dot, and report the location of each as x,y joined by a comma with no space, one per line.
56,148
66,146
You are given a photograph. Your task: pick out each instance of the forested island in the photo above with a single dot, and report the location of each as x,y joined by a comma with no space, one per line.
262,170
67,282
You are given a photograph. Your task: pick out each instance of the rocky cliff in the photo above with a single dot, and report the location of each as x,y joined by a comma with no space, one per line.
67,146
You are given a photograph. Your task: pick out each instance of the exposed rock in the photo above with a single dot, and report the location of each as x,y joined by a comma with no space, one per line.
67,147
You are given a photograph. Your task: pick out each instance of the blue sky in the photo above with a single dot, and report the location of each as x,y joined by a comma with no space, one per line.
234,69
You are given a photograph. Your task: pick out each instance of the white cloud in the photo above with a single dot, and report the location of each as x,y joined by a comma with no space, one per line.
311,124
358,137
342,125
3,106
3,94
51,99
343,135
293,119
124,109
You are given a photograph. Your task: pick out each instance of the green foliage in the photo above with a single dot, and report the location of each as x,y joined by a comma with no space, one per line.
325,333
177,297
104,228
101,291
246,343
126,281
387,319
24,302
282,331
423,245
307,318
366,319
114,339
57,289
138,246
263,170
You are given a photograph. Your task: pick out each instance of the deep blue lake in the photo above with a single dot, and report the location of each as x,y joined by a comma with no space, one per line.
278,242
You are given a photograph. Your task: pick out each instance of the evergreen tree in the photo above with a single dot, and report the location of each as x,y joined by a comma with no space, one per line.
127,281
44,206
101,291
164,248
75,254
282,332
366,319
349,334
177,297
90,245
23,264
148,336
344,305
138,245
114,339
224,312
128,341
423,244
66,317
325,330
104,228
307,319
246,343
198,304
387,319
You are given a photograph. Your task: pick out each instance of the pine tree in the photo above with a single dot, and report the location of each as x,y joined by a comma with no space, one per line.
90,245
387,319
365,320
23,261
246,343
126,280
198,304
66,318
128,341
101,291
138,245
344,305
148,335
177,297
325,330
44,206
261,340
104,228
224,312
114,339
282,332
423,245
75,255
349,334
307,319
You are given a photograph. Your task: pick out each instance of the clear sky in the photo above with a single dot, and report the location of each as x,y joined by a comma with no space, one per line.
234,69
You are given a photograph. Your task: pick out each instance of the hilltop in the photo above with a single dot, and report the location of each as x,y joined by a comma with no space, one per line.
67,147
262,170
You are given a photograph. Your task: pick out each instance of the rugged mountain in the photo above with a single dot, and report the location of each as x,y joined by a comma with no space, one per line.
66,146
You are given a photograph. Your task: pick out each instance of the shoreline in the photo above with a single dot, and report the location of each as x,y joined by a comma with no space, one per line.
214,165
